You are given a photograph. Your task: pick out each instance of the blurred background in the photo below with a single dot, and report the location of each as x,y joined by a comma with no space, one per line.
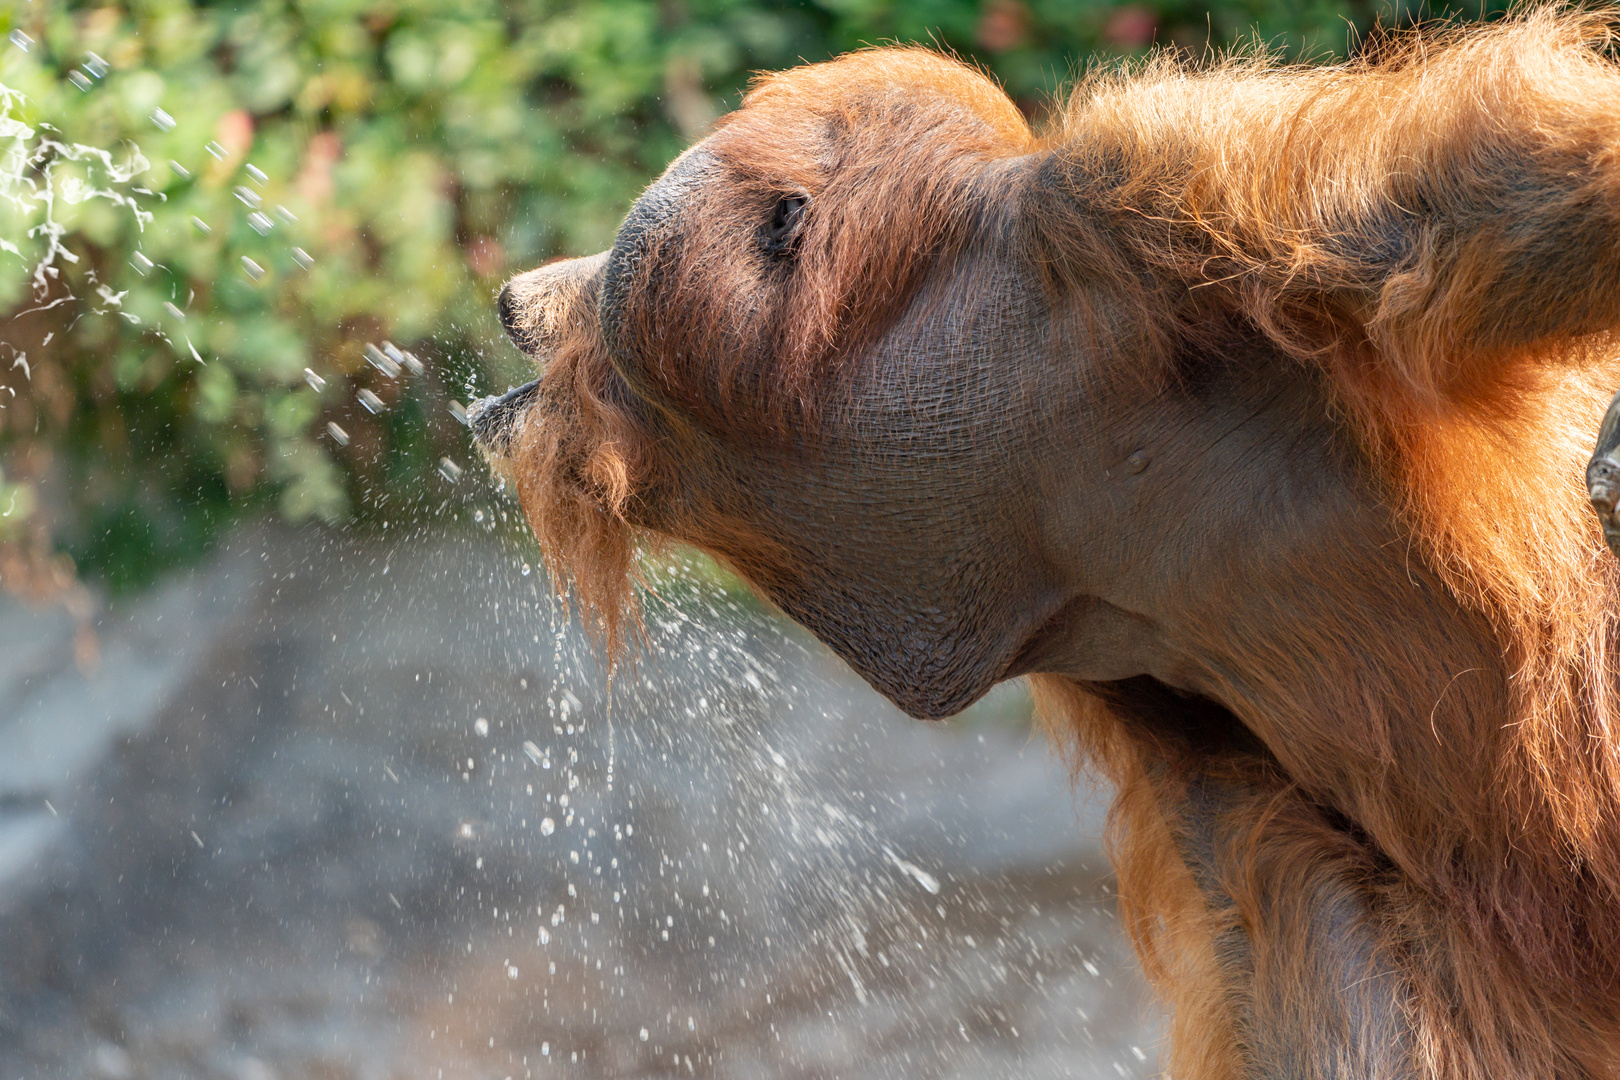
303,772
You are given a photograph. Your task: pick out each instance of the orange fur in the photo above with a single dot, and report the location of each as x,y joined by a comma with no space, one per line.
1433,234
1436,233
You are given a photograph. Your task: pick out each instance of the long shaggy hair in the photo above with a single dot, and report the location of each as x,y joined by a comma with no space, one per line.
1432,234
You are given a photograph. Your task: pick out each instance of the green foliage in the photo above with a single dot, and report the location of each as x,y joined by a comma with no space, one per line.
404,156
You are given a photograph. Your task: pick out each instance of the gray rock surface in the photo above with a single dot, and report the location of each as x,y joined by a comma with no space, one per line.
336,807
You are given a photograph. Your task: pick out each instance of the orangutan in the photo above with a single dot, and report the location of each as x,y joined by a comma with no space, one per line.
1243,411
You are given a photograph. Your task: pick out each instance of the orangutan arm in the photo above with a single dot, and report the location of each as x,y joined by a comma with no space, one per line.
1310,980
1444,213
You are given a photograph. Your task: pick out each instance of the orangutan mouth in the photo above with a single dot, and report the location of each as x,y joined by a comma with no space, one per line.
493,419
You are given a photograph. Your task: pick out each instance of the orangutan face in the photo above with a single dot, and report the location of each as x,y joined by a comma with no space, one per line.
822,348
881,513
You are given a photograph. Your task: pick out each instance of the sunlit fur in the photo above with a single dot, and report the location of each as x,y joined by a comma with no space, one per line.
1436,232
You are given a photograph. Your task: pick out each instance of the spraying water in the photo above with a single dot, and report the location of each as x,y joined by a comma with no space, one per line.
39,174
732,860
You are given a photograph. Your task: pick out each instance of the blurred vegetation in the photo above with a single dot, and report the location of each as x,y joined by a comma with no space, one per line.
284,182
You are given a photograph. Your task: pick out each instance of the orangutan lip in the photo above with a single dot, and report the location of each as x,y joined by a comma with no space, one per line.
493,418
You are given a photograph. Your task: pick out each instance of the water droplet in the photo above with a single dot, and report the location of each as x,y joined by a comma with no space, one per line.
527,569
922,877
260,223
382,361
247,196
254,270
458,410
532,751
316,383
545,1047
643,1034
371,401
285,214
481,726
21,40
547,826
449,470
215,150
183,173
339,436
256,173
302,258
78,80
545,936
200,225
141,263
478,516
511,971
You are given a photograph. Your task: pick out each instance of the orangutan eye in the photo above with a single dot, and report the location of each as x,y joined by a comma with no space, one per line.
784,226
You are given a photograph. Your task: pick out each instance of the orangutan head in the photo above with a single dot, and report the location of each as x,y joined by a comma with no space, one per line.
969,404
815,309
1251,402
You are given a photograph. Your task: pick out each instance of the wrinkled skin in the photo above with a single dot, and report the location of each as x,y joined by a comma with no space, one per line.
980,490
